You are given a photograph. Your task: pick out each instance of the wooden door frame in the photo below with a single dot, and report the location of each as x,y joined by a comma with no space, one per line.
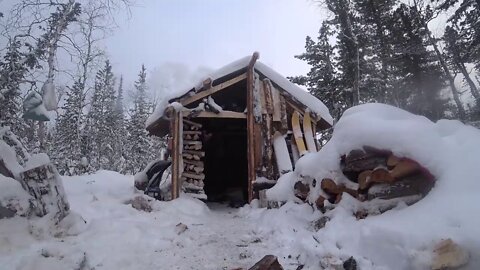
250,125
176,127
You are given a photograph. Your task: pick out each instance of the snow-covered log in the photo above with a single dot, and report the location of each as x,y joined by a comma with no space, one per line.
45,184
36,174
14,200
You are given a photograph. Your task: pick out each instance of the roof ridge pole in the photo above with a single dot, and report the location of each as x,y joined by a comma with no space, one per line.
250,125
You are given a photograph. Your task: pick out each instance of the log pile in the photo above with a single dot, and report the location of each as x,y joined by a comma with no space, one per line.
193,166
377,175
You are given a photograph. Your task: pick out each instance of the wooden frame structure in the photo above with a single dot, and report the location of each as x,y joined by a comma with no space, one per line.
268,110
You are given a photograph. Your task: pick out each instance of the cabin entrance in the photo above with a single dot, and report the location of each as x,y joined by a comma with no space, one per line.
226,167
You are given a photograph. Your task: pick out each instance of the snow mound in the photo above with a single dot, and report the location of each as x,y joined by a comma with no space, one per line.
283,189
401,238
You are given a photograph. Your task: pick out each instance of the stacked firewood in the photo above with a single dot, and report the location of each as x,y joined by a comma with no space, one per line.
374,174
193,166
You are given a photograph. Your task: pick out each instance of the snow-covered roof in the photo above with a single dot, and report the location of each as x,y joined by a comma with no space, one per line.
314,104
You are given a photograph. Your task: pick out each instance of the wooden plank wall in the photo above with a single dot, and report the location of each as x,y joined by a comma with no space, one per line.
267,129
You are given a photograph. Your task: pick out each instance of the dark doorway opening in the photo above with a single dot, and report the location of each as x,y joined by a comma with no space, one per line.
226,167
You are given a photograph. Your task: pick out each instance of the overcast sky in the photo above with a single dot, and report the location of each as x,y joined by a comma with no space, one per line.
212,33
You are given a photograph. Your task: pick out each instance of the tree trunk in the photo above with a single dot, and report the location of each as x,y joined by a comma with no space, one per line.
41,136
451,80
356,82
466,75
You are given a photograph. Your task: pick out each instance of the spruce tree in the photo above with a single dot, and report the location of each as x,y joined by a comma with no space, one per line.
348,49
13,68
466,17
67,148
120,130
375,18
419,79
139,146
100,129
321,81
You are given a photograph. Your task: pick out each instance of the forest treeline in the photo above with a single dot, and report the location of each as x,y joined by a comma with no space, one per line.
93,129
52,59
386,51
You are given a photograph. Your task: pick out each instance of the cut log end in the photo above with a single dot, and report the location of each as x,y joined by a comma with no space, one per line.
404,168
392,161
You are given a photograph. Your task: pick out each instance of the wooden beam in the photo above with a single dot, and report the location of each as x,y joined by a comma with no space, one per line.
212,90
194,162
292,101
191,123
224,114
176,158
196,153
192,142
250,125
192,132
267,91
207,83
200,176
276,105
283,115
298,109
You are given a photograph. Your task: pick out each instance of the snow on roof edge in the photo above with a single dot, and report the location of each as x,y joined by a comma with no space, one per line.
313,103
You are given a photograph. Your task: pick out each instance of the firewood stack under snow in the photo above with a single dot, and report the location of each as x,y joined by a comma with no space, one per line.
376,178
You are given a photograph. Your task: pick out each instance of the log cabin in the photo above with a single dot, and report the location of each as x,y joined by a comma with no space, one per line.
233,131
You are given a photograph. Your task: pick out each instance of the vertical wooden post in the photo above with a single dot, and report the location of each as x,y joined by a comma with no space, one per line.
268,130
176,154
250,126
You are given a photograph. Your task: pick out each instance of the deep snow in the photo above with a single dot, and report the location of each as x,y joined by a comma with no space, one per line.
117,236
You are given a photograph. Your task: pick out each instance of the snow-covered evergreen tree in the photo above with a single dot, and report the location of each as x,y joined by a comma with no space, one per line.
419,77
374,18
13,69
322,80
140,148
100,128
120,131
67,151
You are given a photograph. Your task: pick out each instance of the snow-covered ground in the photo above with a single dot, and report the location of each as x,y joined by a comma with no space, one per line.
117,236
